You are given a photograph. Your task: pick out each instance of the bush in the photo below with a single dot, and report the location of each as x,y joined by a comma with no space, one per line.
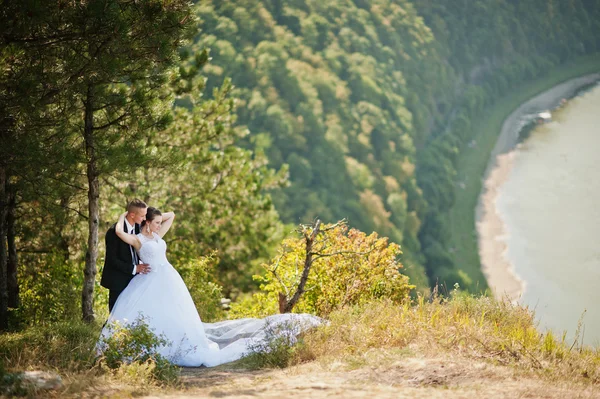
132,350
205,291
49,290
278,349
354,268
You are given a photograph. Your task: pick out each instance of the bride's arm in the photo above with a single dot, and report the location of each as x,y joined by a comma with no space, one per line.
167,221
128,238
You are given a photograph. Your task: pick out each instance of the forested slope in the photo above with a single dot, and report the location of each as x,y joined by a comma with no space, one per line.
370,102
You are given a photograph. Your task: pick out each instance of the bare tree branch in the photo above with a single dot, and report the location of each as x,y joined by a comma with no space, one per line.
285,305
274,272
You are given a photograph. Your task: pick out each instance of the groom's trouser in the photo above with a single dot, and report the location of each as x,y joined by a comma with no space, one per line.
112,298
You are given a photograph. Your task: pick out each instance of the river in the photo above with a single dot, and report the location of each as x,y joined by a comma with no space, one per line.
549,204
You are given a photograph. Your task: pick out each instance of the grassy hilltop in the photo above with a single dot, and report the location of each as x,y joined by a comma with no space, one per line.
461,347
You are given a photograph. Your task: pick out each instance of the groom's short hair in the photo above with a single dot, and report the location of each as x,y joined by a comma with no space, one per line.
136,204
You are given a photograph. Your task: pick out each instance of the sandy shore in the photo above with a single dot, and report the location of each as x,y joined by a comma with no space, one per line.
491,231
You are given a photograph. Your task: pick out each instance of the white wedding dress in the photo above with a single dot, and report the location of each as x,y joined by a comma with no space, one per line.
164,301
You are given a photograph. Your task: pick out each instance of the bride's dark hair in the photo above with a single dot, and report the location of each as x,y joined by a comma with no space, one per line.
151,213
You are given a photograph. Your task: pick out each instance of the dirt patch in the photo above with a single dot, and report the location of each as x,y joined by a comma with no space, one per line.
406,377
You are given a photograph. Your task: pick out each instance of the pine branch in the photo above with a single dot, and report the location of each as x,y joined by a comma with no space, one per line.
112,123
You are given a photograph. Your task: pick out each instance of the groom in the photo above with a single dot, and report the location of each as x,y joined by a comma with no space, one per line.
121,263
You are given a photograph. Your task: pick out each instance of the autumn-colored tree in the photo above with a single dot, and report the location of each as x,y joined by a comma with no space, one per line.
345,267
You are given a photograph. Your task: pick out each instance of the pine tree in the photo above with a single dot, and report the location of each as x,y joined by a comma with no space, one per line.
97,69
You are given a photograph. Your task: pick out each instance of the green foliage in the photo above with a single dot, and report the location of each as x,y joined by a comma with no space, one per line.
216,188
49,289
326,84
349,268
131,349
352,94
257,304
83,86
199,277
187,156
11,384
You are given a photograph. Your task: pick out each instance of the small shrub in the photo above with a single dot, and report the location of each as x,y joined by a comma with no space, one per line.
279,348
11,384
205,291
259,304
132,350
49,290
141,373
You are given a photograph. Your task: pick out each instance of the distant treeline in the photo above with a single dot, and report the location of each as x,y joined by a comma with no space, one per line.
369,102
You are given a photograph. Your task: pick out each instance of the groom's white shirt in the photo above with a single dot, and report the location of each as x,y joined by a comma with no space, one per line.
131,230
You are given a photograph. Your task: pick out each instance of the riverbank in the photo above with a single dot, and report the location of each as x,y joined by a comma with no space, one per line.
474,159
491,231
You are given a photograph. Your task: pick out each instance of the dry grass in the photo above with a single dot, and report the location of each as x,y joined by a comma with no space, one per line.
66,346
68,349
476,328
458,347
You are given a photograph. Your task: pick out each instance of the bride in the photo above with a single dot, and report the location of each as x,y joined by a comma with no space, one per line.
162,298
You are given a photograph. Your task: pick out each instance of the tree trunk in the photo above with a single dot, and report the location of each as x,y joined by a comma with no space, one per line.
287,306
11,269
3,251
63,243
91,256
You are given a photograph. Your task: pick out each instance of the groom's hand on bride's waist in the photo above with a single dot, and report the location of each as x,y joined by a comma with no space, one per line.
142,268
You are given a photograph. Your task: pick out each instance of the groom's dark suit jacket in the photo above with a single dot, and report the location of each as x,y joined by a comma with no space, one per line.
118,264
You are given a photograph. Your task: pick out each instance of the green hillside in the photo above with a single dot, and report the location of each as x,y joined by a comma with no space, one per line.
368,103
